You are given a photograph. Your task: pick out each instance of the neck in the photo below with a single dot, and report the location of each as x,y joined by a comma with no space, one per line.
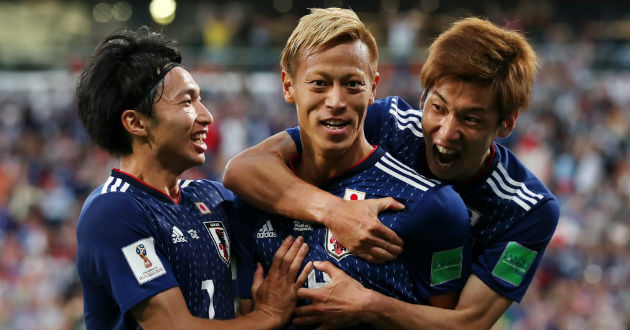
319,165
150,171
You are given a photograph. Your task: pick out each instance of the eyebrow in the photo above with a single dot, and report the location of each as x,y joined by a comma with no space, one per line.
188,91
473,108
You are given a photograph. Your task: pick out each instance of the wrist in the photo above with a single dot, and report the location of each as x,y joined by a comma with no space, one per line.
371,309
326,208
266,320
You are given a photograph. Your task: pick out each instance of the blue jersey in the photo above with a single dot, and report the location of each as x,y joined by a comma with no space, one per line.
513,215
434,225
135,242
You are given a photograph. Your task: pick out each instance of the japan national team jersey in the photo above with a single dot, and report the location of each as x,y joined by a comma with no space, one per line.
512,214
434,226
135,242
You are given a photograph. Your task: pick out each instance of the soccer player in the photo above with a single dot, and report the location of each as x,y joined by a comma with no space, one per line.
476,80
154,251
329,71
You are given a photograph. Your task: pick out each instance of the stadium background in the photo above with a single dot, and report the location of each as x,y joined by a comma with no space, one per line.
575,135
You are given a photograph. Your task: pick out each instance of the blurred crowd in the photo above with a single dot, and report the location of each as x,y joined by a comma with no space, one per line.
575,136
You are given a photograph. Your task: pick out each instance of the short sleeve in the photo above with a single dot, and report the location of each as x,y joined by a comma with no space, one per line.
437,242
119,252
396,127
508,265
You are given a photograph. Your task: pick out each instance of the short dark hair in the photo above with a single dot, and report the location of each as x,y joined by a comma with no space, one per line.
123,73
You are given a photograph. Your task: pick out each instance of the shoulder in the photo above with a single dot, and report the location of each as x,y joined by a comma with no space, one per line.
204,186
109,215
512,181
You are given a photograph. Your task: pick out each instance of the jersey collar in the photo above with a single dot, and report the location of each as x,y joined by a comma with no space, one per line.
134,181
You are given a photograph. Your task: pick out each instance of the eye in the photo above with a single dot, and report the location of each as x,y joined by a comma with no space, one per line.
355,84
318,83
472,120
437,107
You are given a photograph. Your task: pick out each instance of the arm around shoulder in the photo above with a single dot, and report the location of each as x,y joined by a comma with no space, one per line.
260,176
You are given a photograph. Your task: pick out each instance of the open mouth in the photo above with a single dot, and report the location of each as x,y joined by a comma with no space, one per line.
334,124
444,156
198,138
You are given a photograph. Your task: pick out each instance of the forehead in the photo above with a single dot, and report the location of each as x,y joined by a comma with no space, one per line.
338,57
178,81
462,93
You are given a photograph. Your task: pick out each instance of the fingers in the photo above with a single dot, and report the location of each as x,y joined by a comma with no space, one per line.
304,274
258,279
377,255
294,268
328,268
304,293
290,257
391,204
281,252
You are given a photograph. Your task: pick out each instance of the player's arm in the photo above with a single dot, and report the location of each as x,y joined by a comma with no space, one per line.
274,296
260,176
344,301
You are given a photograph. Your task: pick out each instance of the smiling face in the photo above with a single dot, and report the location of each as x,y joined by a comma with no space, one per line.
177,130
460,122
332,89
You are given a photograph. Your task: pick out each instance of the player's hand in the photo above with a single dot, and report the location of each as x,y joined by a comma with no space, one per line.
275,296
338,304
357,227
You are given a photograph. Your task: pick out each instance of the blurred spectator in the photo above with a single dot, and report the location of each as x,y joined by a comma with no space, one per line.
575,136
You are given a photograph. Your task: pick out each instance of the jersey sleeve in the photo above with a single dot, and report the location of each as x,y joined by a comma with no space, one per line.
227,194
437,242
244,247
509,265
119,252
397,127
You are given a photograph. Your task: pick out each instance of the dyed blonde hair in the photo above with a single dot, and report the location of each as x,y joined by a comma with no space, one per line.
323,28
476,50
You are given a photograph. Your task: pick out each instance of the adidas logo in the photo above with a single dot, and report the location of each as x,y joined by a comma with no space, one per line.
266,231
178,235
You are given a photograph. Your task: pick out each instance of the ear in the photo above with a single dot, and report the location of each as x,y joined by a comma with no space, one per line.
134,122
287,87
507,126
377,78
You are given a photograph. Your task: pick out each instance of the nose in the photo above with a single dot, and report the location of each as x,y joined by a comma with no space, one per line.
449,128
204,116
336,98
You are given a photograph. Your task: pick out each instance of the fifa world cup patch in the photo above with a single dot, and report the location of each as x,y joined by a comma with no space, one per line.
446,265
514,263
220,238
144,262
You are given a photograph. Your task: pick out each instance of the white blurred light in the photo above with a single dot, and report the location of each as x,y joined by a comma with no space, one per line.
593,274
282,6
121,11
102,12
163,11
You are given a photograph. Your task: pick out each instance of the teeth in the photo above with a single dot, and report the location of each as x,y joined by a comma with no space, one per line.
444,150
199,137
334,122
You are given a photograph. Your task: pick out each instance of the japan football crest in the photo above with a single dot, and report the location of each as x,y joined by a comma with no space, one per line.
220,237
333,247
